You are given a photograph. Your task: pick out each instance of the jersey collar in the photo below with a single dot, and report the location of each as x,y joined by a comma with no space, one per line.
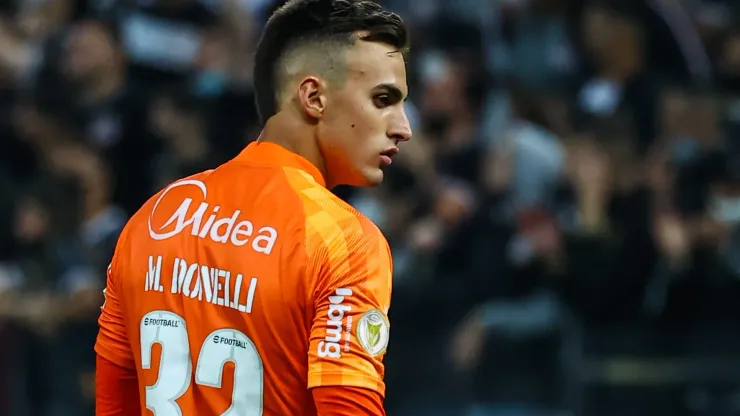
270,154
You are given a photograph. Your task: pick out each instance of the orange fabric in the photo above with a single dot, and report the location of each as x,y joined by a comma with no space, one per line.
253,277
116,390
347,401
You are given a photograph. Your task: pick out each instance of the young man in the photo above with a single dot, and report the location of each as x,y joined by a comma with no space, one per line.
251,289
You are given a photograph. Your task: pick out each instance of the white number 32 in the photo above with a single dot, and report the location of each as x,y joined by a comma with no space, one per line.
176,366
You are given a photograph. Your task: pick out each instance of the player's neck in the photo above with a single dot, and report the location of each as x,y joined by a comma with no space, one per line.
295,137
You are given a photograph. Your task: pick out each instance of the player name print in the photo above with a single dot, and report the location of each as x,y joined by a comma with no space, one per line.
201,282
204,220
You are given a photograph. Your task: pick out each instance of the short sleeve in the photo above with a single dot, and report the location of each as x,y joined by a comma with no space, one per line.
350,330
112,342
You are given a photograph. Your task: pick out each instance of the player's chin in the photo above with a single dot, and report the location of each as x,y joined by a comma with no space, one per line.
373,176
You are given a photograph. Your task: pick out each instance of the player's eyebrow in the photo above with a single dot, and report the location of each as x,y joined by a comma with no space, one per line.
393,91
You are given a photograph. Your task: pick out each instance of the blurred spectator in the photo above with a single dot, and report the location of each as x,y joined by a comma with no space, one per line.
107,110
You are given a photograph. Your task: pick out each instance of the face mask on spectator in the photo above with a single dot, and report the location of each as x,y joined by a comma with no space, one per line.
600,97
726,209
433,66
210,83
685,150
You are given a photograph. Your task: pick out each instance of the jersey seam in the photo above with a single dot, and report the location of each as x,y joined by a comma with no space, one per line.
112,356
345,373
366,380
284,172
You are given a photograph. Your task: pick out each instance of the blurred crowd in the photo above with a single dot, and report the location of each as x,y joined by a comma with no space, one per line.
564,223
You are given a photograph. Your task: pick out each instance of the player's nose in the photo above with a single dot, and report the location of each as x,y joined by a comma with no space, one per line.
400,130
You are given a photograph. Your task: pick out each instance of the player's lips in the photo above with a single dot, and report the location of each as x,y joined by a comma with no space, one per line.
386,156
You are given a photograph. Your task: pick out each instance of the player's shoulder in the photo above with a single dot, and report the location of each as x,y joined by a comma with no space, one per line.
333,224
323,207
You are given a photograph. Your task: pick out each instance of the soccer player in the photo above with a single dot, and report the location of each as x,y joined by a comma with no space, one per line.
251,289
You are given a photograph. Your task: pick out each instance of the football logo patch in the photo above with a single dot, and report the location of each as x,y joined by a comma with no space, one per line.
373,332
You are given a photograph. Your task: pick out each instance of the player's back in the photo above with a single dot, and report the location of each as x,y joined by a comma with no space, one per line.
214,292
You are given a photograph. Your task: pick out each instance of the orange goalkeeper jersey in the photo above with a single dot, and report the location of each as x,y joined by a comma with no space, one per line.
236,290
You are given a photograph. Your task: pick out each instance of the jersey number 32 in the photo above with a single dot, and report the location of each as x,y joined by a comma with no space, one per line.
176,368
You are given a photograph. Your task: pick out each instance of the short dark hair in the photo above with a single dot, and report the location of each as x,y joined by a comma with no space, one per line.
300,21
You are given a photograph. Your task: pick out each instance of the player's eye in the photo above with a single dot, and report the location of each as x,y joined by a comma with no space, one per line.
382,100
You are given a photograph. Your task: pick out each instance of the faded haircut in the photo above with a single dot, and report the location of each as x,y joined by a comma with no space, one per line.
315,34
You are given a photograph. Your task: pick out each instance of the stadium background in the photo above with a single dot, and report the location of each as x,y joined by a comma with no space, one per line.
564,223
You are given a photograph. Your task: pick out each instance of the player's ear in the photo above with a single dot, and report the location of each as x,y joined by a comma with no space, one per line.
311,96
